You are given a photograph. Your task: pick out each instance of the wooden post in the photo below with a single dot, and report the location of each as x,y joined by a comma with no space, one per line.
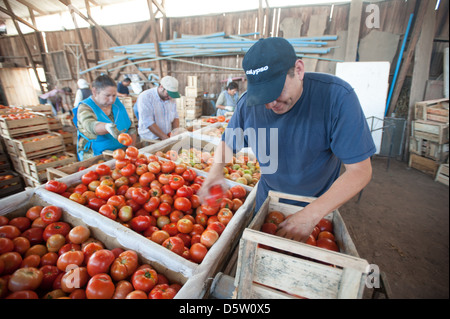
155,35
354,23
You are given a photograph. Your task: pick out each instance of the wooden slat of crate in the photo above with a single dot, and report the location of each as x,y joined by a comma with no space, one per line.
46,145
15,128
53,173
423,164
10,186
41,108
30,181
433,110
193,91
442,174
298,277
432,131
433,150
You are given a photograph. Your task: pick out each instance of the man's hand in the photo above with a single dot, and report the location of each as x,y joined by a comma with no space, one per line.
298,226
112,129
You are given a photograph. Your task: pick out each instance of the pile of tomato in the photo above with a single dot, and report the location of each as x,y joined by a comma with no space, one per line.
322,235
156,198
41,256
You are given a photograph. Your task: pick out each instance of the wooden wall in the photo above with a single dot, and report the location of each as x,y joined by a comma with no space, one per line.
394,15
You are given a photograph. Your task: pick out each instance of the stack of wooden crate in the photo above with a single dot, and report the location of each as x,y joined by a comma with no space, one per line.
10,181
32,147
429,141
189,107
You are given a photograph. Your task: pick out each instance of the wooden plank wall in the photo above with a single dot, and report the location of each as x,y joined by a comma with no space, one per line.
394,15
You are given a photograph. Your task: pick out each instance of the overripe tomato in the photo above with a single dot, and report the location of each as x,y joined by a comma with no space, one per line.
162,291
100,286
89,177
125,139
144,279
209,237
99,262
103,169
70,258
198,252
124,265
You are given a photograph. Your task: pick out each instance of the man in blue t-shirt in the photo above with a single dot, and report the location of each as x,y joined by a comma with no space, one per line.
122,87
301,127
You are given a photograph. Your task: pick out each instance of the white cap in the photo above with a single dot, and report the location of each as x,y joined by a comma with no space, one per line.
171,86
82,84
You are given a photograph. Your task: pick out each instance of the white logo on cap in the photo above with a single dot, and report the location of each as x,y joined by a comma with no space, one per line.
255,72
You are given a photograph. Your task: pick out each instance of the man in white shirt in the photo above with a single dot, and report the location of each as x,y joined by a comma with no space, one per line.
157,110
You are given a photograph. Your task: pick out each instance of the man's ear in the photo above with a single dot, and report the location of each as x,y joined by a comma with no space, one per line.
300,68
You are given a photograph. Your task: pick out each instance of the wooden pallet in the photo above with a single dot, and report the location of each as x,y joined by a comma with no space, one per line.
433,110
432,150
442,174
274,267
14,128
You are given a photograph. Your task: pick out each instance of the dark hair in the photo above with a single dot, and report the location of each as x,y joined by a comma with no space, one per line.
103,81
232,85
67,89
127,80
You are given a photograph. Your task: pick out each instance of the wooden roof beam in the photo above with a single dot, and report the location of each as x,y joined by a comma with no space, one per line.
14,17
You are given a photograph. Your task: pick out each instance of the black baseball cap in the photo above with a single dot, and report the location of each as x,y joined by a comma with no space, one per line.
266,65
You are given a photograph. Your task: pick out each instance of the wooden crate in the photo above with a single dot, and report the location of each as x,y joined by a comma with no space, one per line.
40,108
12,185
14,128
432,110
37,168
423,164
4,163
193,91
39,146
274,267
73,167
442,174
109,232
431,131
425,148
54,124
30,181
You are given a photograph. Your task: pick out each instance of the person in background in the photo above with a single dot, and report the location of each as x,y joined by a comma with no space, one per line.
100,119
83,92
60,100
227,99
157,110
309,123
122,88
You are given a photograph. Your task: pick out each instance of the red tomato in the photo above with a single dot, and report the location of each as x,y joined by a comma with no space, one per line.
141,169
123,288
176,182
182,203
174,244
216,226
325,224
185,226
238,191
128,170
34,212
215,196
326,234
132,152
144,279
100,261
11,261
140,196
103,169
198,252
89,177
327,244
51,214
167,167
165,209
209,237
79,234
185,191
209,210
23,294
189,175
311,240
90,249
76,277
269,228
146,178
275,217
55,186
225,215
152,204
100,286
9,231
199,180
124,265
49,272
70,258
119,154
104,191
171,229
154,167
140,223
6,245
125,139
96,203
62,228
162,291
23,223
109,211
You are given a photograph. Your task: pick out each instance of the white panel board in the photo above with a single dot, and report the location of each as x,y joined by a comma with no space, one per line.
371,83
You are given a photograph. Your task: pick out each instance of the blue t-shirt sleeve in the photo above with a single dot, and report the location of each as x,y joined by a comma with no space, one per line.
122,88
351,139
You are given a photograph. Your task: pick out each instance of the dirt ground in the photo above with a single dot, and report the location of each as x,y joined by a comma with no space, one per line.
401,224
